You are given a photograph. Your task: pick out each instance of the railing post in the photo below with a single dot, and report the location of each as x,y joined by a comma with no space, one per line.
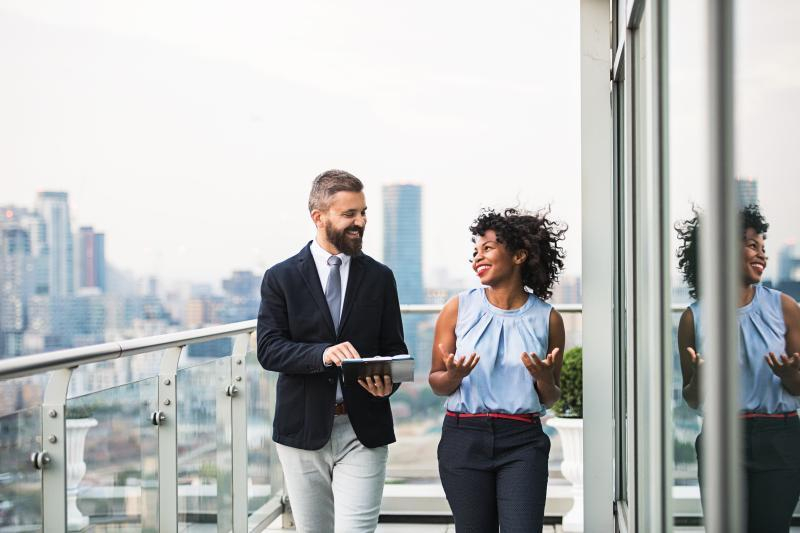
166,418
239,432
53,459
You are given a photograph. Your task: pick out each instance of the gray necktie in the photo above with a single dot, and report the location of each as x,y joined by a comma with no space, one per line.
333,292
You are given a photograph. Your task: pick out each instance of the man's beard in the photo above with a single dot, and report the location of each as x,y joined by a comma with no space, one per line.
343,242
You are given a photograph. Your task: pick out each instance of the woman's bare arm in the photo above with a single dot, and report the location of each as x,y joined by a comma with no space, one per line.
447,370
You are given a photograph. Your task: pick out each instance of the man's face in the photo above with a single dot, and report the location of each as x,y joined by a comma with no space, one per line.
344,221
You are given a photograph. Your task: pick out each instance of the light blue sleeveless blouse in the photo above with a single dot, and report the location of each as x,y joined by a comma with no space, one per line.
762,329
499,382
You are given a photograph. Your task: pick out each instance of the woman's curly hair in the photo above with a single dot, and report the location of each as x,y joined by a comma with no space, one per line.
750,216
535,234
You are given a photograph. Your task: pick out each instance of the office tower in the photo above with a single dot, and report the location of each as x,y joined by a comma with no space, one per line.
402,239
91,259
789,263
746,191
242,296
243,284
16,281
568,290
54,209
402,252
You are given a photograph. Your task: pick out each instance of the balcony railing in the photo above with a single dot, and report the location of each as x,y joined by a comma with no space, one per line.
145,433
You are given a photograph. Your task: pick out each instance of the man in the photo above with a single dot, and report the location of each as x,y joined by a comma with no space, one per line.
326,304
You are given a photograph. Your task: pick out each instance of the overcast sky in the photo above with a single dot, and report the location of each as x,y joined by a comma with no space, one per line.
767,111
190,132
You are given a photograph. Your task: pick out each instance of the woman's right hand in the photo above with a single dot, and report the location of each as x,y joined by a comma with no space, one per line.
697,364
458,367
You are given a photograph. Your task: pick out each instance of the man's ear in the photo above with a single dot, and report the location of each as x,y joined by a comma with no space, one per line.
316,218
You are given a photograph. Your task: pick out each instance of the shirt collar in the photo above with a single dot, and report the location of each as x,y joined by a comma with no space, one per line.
322,255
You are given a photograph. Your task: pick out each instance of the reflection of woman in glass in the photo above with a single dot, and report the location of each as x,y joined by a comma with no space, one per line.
769,363
493,453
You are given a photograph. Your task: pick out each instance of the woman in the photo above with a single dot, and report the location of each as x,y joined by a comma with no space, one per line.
769,329
493,453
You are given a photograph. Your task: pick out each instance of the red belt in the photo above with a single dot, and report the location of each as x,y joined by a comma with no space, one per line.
790,414
521,417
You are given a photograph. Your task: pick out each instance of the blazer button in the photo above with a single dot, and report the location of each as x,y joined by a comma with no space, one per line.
330,380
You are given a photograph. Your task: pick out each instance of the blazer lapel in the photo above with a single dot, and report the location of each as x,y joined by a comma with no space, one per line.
308,270
353,282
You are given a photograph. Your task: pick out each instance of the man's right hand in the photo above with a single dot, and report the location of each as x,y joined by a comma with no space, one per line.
334,355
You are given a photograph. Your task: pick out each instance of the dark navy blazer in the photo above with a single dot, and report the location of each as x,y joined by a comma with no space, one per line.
294,329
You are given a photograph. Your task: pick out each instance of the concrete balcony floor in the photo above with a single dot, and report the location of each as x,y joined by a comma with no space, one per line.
415,528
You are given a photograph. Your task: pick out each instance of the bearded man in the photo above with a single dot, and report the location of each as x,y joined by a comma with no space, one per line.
328,303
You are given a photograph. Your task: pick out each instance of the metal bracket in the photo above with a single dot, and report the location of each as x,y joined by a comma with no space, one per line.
231,391
156,417
39,460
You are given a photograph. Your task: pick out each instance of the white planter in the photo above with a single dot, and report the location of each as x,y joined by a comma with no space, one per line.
571,432
76,428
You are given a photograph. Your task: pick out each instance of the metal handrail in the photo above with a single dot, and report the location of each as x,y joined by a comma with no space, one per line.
28,365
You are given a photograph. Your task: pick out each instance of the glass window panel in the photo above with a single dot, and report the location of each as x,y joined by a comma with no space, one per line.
767,174
20,483
204,451
112,458
688,165
264,476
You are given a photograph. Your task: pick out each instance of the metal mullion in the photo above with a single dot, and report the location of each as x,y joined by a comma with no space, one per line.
239,432
652,305
718,279
168,440
660,27
54,446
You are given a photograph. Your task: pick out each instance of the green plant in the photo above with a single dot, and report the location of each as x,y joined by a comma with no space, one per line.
571,403
79,409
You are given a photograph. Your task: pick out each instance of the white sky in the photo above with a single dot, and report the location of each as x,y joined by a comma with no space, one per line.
190,132
767,110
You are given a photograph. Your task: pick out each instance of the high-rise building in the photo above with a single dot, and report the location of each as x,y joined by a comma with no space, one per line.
789,263
402,239
568,290
91,259
54,209
746,191
402,252
16,280
242,296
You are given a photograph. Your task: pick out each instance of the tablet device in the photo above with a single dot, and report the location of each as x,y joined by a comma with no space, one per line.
399,367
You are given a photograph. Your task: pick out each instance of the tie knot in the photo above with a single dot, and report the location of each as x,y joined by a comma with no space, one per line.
334,260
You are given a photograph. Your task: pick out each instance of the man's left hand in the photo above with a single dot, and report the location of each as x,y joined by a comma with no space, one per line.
378,386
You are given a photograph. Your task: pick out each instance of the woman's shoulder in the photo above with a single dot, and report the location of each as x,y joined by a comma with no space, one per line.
772,299
469,297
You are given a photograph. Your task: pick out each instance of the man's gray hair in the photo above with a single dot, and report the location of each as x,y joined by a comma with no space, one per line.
329,183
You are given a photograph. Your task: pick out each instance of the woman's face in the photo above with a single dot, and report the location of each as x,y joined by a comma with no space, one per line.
754,256
492,261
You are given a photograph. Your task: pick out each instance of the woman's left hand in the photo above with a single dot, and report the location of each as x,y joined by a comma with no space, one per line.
786,367
541,369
